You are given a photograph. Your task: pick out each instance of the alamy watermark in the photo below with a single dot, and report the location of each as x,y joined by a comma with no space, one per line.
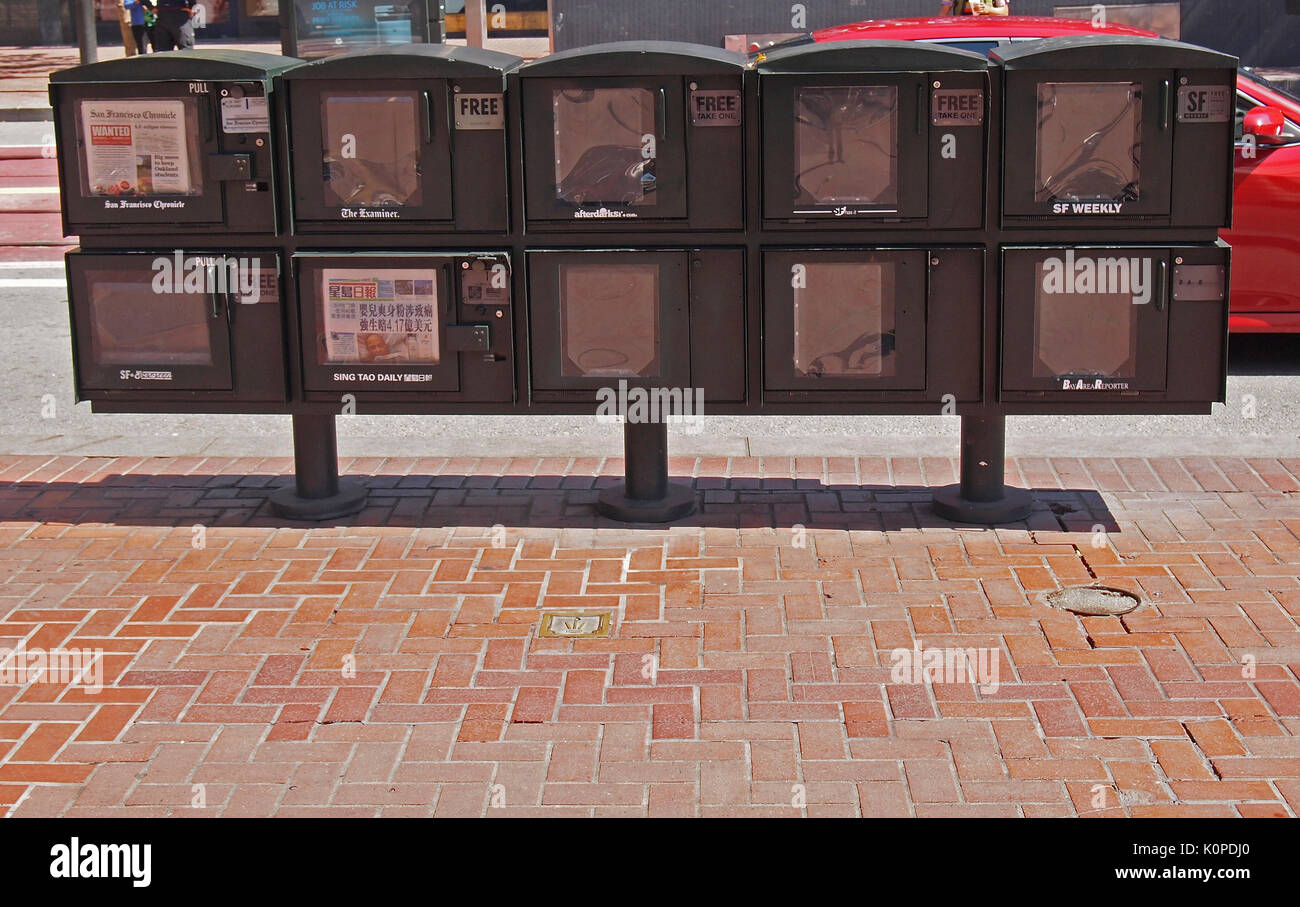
82,668
208,274
946,665
681,405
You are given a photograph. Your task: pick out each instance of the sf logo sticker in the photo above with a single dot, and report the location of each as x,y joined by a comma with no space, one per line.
348,148
948,146
498,276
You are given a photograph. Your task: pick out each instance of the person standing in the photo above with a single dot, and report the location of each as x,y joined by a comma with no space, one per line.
175,28
974,7
141,12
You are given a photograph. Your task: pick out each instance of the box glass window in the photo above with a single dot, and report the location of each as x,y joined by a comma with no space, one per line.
374,316
609,320
844,320
605,146
1094,336
1089,141
132,324
846,145
139,148
372,148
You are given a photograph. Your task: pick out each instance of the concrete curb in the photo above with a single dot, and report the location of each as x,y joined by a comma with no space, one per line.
21,152
26,114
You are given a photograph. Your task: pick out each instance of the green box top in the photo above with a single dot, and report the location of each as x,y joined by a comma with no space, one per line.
634,58
870,56
1110,52
206,65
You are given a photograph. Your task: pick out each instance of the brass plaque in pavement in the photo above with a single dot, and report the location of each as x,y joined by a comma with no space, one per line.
574,624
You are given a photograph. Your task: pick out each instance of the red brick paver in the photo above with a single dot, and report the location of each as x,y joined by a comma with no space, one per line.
391,665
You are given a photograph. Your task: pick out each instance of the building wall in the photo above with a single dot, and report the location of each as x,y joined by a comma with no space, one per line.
28,22
37,22
1261,32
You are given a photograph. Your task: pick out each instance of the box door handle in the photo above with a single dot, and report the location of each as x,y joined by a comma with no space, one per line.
428,118
661,115
1166,100
1162,277
920,108
216,294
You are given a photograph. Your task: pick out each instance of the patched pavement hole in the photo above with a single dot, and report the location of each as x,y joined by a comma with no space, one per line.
574,625
1092,601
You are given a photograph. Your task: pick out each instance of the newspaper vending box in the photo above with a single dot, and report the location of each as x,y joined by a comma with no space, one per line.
1107,328
168,143
1109,131
634,136
636,318
177,331
873,135
430,329
402,139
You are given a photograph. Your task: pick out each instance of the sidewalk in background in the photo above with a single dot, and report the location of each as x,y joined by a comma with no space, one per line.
392,666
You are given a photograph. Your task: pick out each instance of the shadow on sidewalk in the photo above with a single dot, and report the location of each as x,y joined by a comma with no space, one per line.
535,501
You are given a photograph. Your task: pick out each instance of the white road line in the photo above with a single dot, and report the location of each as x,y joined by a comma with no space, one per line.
29,190
31,283
49,265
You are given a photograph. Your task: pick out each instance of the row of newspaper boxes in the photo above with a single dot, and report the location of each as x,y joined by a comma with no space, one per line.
852,227
1118,328
869,135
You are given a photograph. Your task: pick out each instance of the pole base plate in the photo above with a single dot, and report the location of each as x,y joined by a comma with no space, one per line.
1012,507
614,503
289,504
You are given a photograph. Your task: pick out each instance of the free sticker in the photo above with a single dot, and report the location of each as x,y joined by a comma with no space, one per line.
957,107
1204,104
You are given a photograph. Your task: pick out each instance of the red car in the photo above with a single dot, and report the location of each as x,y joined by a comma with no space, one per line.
1265,237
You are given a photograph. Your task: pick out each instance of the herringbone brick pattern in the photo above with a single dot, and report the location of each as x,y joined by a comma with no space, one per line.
391,665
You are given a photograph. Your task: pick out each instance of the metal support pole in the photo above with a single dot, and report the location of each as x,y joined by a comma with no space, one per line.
475,22
288,33
87,40
646,495
128,37
317,493
983,495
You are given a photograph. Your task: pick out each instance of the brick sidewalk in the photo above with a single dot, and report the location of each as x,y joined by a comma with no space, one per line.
392,666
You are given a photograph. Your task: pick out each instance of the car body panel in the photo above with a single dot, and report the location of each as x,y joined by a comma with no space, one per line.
1265,236
1009,27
